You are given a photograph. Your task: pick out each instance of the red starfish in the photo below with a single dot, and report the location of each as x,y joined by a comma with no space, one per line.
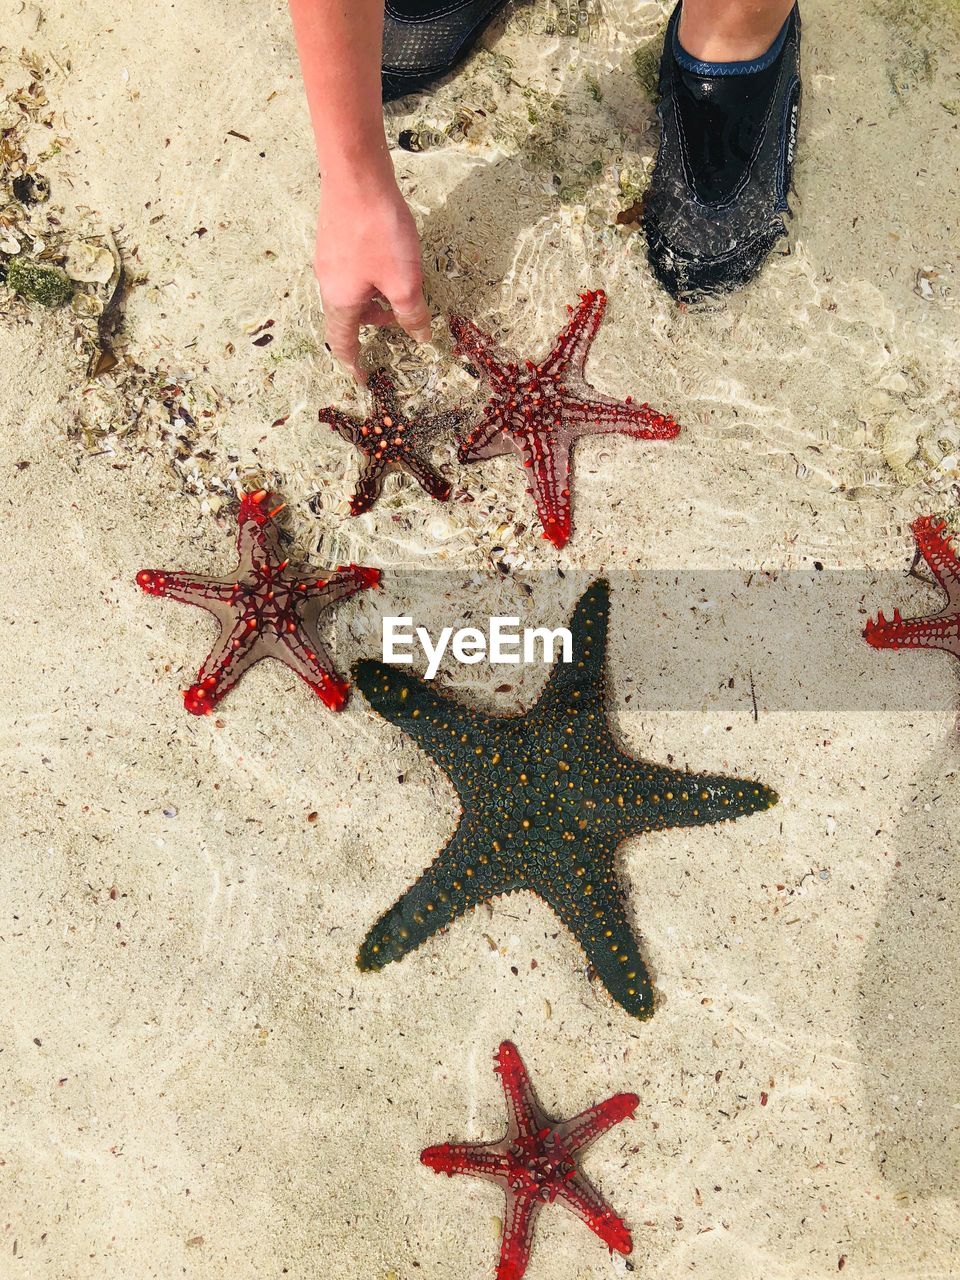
539,410
536,1163
265,610
939,630
388,441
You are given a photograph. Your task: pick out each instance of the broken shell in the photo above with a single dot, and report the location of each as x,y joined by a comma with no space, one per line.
89,263
9,244
87,304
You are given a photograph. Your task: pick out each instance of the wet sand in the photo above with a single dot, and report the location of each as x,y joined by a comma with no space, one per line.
198,1079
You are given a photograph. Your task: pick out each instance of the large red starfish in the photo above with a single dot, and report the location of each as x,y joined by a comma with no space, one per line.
387,441
540,409
265,610
536,1163
936,631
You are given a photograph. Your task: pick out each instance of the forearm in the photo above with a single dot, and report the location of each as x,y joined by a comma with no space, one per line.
339,46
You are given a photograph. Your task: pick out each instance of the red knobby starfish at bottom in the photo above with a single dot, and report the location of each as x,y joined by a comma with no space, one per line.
388,440
539,409
536,1164
265,609
939,630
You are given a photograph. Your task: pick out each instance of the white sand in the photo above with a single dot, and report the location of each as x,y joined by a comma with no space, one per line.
197,1079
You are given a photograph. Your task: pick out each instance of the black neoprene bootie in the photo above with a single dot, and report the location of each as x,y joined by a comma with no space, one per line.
424,39
718,193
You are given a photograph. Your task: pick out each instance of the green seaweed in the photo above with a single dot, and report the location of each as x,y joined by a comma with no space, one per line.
40,282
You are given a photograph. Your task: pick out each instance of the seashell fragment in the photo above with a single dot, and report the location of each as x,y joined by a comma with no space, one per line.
89,263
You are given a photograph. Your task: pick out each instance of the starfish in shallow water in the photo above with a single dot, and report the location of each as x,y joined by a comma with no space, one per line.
939,630
547,798
539,409
389,441
266,609
536,1163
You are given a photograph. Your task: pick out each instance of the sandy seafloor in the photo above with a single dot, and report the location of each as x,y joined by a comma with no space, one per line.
196,1079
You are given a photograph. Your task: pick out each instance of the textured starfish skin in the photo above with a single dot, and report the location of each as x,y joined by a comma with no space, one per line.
536,1164
266,609
538,410
387,441
939,630
547,798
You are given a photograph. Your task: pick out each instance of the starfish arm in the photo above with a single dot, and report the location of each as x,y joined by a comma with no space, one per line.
369,484
523,1110
310,661
384,393
475,1159
258,539
519,1222
596,414
346,427
479,348
937,547
189,588
487,440
572,347
238,648
583,1199
460,878
662,799
939,631
449,732
591,1124
593,909
427,476
576,689
322,593
548,469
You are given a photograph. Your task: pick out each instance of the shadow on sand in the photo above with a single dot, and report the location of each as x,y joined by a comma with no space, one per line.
909,1032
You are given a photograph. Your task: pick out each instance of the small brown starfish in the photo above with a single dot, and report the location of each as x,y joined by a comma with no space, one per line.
388,441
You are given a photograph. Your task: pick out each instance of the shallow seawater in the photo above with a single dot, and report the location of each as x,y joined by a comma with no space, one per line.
203,1082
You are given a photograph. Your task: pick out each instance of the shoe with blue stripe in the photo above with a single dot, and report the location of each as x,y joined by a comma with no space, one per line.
728,136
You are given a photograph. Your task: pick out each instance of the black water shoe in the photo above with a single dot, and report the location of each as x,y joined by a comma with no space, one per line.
728,135
424,39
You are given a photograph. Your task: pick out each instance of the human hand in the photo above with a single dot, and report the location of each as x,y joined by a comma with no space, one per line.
367,249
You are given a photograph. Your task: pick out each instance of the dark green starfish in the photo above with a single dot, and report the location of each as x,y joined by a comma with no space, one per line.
547,799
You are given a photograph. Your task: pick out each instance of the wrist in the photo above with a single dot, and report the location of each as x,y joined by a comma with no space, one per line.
364,168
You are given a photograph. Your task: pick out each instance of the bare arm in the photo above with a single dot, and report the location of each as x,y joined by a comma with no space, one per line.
367,242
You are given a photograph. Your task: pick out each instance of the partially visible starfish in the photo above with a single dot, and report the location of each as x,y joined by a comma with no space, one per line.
536,1163
547,798
540,409
389,441
265,609
939,630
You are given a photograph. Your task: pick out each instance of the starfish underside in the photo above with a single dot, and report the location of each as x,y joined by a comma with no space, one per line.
547,798
539,410
536,1164
266,609
389,441
936,631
